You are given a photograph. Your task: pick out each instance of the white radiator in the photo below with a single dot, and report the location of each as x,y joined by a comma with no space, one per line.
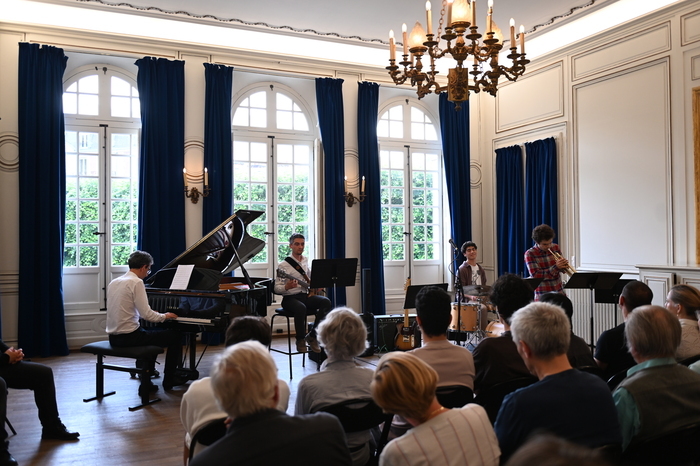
604,315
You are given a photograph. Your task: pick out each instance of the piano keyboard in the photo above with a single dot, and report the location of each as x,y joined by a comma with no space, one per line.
195,320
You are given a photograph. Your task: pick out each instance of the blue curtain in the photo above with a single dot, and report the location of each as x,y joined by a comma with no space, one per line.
541,195
161,85
371,253
329,100
454,127
512,239
42,200
218,152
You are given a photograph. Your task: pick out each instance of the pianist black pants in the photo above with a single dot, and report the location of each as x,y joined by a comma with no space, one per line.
165,338
302,305
35,377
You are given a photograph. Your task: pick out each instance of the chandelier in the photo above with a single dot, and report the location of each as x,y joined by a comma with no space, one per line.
462,41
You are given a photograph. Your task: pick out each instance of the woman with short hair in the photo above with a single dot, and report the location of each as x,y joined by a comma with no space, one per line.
684,301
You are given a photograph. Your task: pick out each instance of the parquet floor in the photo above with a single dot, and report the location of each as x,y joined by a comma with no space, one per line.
110,434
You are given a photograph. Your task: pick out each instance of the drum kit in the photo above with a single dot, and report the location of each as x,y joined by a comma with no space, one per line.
469,319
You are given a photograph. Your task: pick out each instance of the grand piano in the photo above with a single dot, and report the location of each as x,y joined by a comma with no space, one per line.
211,299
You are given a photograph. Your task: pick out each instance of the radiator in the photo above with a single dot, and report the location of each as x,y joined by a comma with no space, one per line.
605,316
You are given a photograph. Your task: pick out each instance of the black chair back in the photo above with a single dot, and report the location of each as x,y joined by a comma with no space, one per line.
454,396
358,414
676,448
595,370
615,380
208,434
492,398
688,361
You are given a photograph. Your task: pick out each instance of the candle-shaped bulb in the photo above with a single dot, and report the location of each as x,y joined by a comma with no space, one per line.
184,176
449,13
206,177
392,45
522,39
429,16
362,191
405,38
512,32
346,183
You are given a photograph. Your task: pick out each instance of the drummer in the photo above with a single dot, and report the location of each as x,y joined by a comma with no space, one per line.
472,275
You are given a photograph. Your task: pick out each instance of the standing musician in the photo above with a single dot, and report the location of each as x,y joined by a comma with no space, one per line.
295,297
544,261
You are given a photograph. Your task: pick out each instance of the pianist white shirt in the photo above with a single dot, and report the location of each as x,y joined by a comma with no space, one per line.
127,302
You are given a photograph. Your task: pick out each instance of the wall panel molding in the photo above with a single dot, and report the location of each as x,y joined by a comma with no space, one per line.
690,28
9,152
622,51
537,96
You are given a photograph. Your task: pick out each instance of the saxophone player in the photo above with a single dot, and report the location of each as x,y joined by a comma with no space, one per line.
544,260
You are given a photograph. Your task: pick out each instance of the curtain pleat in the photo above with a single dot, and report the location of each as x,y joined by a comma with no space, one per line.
511,240
161,85
541,201
42,200
371,254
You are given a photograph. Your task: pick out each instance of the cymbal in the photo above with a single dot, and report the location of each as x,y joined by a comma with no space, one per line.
477,290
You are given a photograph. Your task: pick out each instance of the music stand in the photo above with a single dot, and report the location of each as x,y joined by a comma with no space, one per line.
612,296
332,273
593,281
412,291
534,282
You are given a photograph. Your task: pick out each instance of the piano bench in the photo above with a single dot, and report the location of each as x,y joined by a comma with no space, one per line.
147,353
281,312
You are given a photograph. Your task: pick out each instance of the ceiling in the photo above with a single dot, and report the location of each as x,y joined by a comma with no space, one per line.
366,20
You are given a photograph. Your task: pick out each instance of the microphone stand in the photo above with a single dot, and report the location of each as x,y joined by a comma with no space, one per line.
458,294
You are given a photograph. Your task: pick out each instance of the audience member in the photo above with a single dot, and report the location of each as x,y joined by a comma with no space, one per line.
198,405
405,385
19,374
683,301
658,396
343,335
127,302
454,364
496,360
611,352
579,352
244,380
549,450
569,403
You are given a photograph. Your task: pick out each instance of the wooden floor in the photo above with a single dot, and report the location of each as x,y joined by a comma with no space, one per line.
110,434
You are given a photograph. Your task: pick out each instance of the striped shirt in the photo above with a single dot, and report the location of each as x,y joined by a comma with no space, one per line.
459,437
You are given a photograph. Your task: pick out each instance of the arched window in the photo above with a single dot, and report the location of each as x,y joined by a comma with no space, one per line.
273,168
411,194
102,113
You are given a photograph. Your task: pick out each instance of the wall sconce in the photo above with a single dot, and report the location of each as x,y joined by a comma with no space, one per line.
193,193
350,198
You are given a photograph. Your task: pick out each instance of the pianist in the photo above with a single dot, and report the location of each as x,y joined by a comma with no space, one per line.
127,302
300,299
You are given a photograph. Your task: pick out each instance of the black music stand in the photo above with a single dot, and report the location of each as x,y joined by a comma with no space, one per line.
612,296
332,273
534,282
412,291
593,281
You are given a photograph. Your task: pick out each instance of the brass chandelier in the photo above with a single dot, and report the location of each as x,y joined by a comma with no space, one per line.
462,41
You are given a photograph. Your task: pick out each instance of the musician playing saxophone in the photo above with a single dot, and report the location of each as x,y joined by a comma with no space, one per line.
296,298
542,263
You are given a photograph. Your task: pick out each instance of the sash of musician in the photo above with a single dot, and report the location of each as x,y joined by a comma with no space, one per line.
298,268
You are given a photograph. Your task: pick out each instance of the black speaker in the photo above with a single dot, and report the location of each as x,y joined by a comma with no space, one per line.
385,331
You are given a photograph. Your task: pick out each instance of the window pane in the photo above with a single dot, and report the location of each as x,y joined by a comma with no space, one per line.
258,100
300,123
121,145
89,84
88,256
70,103
258,118
120,87
284,102
89,143
258,152
284,120
240,118
88,104
121,107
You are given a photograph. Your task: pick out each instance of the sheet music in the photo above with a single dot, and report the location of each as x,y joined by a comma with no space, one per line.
182,277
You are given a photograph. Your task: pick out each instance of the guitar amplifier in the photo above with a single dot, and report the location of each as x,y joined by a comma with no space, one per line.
385,331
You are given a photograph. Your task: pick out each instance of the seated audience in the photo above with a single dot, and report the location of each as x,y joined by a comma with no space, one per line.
658,396
244,381
19,374
198,405
566,402
549,450
496,359
405,385
454,364
579,352
611,352
683,301
343,335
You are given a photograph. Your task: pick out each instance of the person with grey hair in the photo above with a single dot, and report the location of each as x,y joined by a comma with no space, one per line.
566,402
343,335
244,380
658,396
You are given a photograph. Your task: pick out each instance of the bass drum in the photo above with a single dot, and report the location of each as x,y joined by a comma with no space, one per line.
494,329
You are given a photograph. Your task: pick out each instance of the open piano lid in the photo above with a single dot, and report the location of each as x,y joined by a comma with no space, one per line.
215,254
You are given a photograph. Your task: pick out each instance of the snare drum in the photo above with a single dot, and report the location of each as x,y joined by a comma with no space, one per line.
468,318
494,329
